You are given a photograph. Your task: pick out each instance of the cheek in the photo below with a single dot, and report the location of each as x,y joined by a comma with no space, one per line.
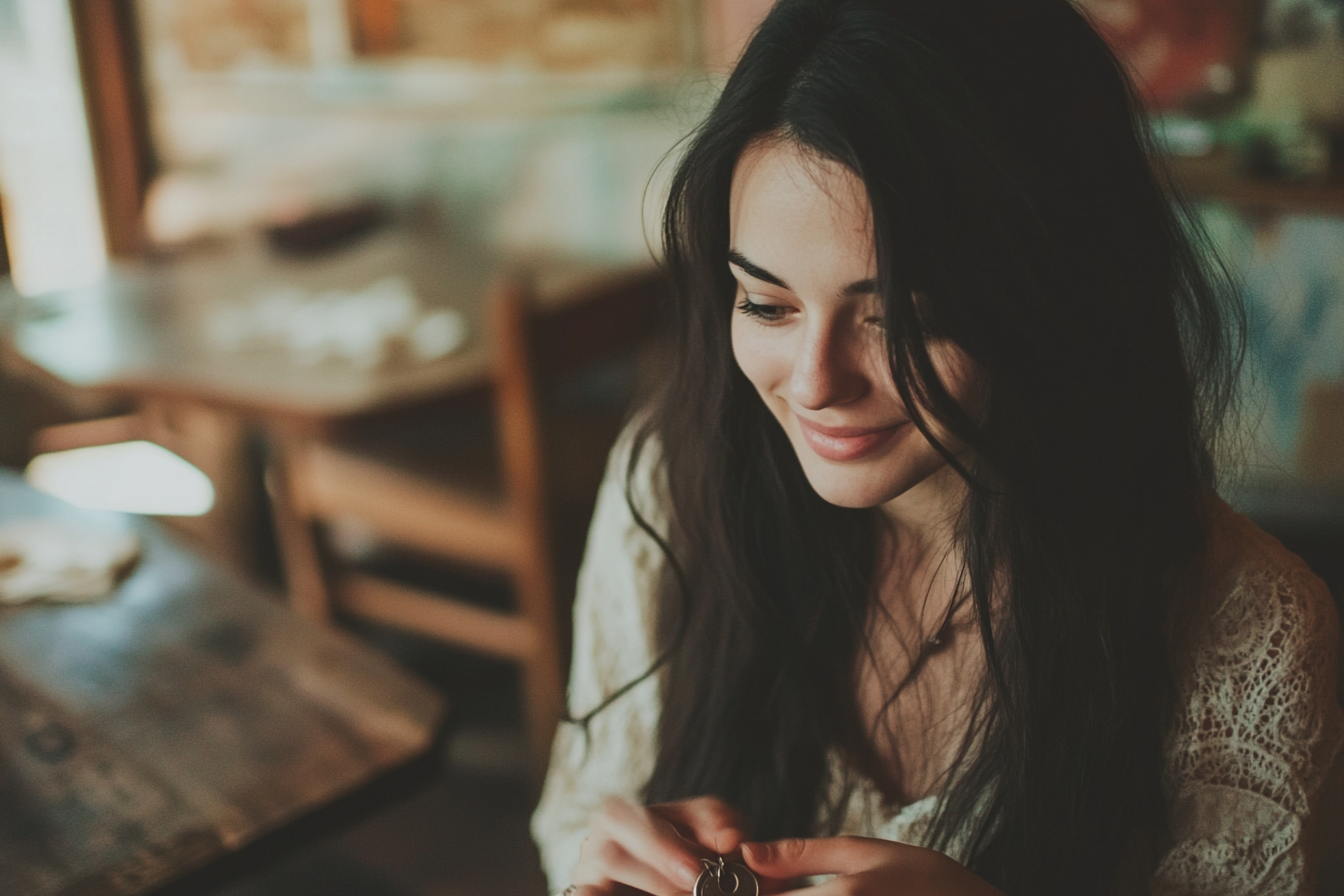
763,360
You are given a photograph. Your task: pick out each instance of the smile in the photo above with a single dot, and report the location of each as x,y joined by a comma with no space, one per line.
845,443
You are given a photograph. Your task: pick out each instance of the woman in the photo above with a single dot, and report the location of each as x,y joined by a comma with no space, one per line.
921,543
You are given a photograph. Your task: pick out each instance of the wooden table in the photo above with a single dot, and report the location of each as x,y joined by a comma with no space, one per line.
142,335
158,733
144,329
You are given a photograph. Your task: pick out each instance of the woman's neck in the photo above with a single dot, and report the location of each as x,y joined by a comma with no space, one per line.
923,520
914,695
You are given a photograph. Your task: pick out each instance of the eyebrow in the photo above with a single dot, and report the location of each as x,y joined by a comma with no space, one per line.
736,258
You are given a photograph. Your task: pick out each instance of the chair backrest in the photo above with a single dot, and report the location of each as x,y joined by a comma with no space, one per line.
531,323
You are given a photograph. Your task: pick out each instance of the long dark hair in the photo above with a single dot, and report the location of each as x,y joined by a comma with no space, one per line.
1016,213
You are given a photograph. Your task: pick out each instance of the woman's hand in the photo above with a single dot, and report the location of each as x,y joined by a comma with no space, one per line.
864,867
655,850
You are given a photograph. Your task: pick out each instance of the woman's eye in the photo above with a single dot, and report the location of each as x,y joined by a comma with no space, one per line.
876,321
770,313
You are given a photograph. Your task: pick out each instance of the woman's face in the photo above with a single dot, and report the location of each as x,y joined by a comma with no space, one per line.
808,329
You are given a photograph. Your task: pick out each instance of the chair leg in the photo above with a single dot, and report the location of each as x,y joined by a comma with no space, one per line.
542,678
215,442
520,446
305,578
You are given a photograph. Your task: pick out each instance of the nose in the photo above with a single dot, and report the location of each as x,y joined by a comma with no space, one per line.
827,369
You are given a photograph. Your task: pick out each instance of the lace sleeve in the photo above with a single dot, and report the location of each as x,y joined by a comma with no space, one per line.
612,646
1257,731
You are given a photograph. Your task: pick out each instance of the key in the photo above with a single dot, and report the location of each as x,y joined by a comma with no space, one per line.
725,879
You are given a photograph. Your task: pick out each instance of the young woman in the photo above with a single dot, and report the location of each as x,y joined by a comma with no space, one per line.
921,545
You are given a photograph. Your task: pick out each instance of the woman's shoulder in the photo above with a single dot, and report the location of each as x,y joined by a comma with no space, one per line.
1257,660
630,515
1257,596
641,483
623,557
1257,726
1253,605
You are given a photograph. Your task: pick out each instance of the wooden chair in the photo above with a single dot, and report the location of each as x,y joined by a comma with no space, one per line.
320,481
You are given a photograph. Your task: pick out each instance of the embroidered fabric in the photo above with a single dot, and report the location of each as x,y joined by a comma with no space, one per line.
1258,725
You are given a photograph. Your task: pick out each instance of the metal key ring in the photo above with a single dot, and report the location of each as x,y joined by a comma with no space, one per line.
714,879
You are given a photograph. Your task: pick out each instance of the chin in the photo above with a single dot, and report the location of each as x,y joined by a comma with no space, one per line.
855,486
871,482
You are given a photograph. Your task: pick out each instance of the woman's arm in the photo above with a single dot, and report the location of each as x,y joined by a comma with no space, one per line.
1257,732
613,614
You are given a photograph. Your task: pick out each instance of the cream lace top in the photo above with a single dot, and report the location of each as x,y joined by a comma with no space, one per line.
1257,734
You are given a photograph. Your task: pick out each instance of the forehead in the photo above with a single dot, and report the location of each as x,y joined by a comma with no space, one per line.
794,211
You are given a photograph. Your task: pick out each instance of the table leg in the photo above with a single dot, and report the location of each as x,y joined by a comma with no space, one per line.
300,555
215,441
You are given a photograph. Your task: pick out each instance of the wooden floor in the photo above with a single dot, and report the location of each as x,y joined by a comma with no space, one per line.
465,834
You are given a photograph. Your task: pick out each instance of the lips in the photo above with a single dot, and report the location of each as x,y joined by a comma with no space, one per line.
846,443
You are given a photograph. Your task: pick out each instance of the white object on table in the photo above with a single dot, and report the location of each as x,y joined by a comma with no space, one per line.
52,559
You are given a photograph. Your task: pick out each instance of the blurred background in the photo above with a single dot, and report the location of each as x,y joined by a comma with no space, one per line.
314,282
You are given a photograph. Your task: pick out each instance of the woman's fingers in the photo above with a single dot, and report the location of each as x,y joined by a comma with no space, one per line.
864,866
831,855
707,820
656,850
605,867
802,858
649,839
